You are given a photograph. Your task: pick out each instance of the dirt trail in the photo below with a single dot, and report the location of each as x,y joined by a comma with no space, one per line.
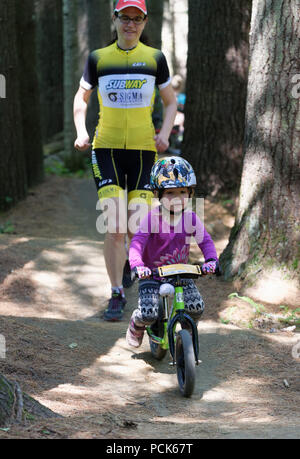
53,289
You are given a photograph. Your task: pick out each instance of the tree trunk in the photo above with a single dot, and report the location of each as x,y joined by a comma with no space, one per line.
94,20
154,26
49,39
266,234
13,183
29,93
16,405
73,158
217,68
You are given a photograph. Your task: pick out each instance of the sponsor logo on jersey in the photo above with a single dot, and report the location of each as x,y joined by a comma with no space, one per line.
128,98
126,84
113,96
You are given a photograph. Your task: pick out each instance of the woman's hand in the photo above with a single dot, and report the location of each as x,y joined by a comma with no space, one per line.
82,142
161,142
170,108
81,100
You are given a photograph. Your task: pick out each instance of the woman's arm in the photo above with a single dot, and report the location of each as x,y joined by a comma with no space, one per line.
80,109
170,104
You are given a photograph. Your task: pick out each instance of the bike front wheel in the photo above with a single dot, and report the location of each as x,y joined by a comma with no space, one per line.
185,363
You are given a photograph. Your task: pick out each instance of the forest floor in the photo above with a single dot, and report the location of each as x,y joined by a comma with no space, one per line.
53,290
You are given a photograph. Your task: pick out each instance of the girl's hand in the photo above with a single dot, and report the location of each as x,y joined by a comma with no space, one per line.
209,267
143,272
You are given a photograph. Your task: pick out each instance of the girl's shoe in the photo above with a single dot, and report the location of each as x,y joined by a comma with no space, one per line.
134,335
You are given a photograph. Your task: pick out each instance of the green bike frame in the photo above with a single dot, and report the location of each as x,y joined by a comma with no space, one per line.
170,321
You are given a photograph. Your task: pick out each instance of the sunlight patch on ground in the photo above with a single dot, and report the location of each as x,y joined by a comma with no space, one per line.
273,288
48,279
121,369
69,279
225,391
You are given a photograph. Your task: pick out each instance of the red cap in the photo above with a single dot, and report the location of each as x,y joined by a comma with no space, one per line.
140,4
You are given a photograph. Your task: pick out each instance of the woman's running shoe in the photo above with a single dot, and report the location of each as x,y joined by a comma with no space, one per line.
116,305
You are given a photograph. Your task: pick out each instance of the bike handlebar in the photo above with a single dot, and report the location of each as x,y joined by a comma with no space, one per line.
155,273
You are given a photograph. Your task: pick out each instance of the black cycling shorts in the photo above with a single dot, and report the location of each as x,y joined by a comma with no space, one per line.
120,169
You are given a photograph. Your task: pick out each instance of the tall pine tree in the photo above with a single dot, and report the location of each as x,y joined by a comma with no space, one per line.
13,178
266,235
217,68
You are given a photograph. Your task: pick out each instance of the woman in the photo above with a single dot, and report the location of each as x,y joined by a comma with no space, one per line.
125,145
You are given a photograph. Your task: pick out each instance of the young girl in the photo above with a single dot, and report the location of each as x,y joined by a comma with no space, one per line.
164,238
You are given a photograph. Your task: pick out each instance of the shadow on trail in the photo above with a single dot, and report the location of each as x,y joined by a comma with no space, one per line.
239,389
59,348
240,377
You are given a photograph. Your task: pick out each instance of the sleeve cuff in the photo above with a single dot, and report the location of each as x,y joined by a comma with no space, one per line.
85,85
164,85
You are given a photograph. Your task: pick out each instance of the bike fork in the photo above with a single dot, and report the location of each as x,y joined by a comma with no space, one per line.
180,317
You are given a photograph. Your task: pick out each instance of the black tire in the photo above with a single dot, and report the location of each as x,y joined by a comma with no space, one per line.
185,363
158,329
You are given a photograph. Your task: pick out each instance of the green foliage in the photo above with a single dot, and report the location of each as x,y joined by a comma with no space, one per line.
292,316
295,264
224,321
259,308
227,202
28,416
228,318
57,168
6,228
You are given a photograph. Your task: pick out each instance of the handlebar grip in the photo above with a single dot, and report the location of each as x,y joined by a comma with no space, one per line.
217,272
134,273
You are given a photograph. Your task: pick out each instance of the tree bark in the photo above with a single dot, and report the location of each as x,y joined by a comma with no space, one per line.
49,37
217,68
266,234
154,26
15,405
29,93
13,183
73,158
94,21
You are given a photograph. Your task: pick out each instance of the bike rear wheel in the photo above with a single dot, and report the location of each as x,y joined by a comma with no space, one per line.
158,329
185,362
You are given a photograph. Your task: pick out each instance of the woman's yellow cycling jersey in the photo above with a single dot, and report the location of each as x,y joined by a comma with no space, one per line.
126,90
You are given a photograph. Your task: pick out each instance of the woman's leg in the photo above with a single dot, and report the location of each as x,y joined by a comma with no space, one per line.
115,256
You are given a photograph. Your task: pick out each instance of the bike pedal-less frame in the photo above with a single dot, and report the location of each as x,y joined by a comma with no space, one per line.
183,345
